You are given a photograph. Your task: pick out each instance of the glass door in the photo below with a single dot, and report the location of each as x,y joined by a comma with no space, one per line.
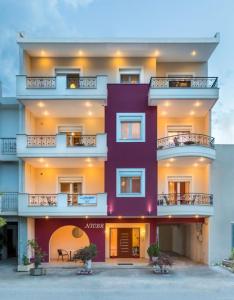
178,190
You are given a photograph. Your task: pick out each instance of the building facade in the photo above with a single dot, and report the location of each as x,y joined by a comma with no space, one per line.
109,142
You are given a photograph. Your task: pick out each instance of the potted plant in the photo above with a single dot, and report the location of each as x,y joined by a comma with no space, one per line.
229,263
26,264
86,255
38,258
162,264
153,251
2,236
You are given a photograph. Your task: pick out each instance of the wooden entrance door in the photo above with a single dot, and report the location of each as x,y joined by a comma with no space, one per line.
124,242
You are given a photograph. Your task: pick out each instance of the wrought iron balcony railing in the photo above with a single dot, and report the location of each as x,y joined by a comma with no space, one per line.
41,141
185,199
9,201
81,140
42,199
41,82
184,82
8,146
73,82
188,139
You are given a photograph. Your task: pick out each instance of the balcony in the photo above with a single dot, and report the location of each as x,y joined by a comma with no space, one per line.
63,205
172,88
187,145
8,149
61,87
185,204
61,145
9,203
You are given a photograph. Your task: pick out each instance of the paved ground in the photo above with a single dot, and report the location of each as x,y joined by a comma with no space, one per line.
186,282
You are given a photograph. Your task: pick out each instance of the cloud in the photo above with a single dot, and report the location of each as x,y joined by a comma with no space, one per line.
76,3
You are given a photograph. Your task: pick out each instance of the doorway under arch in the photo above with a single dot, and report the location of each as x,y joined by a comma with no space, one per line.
69,238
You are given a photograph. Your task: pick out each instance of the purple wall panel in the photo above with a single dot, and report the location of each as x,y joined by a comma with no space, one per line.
130,98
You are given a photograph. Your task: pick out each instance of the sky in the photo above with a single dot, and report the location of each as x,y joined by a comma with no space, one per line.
126,18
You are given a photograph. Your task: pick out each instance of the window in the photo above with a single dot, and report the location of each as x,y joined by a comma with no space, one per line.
130,183
130,78
177,130
181,80
71,185
130,127
73,133
130,75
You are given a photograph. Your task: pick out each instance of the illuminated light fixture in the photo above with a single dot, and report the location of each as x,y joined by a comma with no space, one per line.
163,113
170,216
197,216
118,53
168,165
172,159
202,159
193,53
41,160
156,53
86,217
46,165
90,113
88,104
72,85
43,52
46,217
142,217
192,113
90,165
197,104
45,113
167,104
73,133
88,160
40,104
195,165
80,52
119,217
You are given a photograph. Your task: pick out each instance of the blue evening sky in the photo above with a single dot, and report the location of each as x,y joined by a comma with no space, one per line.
126,18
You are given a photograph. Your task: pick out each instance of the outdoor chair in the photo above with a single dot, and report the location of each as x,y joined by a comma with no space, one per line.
62,253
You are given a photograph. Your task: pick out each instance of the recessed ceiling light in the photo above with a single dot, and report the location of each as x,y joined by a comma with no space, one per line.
80,52
43,52
167,104
168,165
41,160
118,53
88,104
170,216
46,217
195,165
45,113
193,53
163,113
202,159
171,159
90,113
156,53
192,113
46,165
90,165
86,217
197,216
197,104
88,159
40,104
119,217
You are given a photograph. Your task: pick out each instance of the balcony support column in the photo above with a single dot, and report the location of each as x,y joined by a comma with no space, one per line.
26,231
21,176
21,119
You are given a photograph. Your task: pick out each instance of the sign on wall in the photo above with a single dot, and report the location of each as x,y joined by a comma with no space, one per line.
87,199
94,226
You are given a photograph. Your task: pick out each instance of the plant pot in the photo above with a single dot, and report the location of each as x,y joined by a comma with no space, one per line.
88,265
154,258
37,271
228,263
25,268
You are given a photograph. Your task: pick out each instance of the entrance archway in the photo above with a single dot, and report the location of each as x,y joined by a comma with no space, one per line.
69,238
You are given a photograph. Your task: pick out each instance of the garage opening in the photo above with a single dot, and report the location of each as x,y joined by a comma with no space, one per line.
185,240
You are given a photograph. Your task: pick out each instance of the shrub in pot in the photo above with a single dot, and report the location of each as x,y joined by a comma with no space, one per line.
38,258
162,264
86,255
153,251
26,265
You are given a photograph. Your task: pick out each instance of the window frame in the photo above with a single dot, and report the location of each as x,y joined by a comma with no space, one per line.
130,172
130,117
137,70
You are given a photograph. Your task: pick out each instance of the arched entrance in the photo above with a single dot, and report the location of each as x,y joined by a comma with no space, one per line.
69,238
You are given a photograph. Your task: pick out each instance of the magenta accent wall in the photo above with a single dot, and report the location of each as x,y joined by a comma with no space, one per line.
130,98
44,228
